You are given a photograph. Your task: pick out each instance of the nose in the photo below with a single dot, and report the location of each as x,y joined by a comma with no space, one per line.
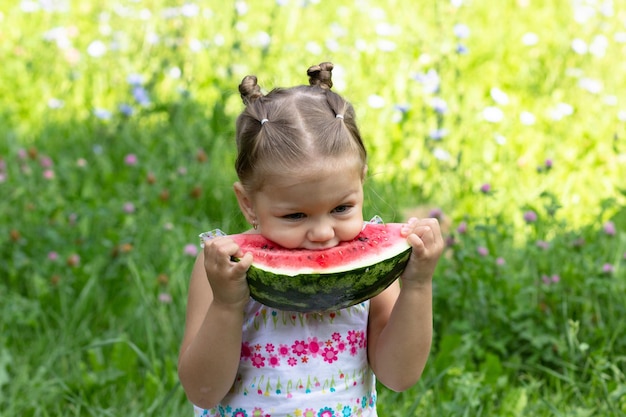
321,231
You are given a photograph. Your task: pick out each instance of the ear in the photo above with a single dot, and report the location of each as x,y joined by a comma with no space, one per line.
364,172
245,202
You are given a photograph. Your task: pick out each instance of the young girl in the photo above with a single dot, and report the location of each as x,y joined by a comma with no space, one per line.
301,166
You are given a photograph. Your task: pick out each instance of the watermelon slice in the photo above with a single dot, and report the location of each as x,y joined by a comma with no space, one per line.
305,280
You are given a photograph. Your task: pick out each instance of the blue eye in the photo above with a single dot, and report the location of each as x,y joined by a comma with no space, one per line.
342,208
294,216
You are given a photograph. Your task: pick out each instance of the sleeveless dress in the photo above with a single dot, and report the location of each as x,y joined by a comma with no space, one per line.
301,365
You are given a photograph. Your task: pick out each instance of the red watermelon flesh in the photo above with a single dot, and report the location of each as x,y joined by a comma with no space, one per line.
374,244
327,279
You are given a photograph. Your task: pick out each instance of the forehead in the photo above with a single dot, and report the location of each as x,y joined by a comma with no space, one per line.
313,170
318,188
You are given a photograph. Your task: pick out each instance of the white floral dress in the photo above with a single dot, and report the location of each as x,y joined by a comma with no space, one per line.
301,365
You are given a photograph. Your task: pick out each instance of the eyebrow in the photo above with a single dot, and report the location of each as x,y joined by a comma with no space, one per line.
296,209
350,194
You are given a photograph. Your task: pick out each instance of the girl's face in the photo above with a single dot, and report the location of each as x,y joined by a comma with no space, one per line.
318,207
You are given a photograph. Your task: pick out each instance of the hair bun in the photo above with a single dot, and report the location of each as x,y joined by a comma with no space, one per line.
321,75
249,89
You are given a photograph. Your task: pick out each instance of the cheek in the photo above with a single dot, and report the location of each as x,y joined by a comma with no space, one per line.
352,230
286,239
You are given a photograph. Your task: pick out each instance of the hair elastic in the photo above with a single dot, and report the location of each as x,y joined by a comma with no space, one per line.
263,121
339,116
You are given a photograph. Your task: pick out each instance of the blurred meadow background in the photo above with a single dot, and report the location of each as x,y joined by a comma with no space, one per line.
506,119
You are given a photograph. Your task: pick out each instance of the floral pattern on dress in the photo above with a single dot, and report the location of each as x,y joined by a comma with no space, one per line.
304,351
301,365
339,411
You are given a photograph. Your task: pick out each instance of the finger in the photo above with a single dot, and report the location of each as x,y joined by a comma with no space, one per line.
426,234
417,244
408,227
244,262
221,250
426,237
430,227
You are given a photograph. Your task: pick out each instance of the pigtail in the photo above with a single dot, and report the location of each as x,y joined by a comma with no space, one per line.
280,129
251,95
321,75
249,89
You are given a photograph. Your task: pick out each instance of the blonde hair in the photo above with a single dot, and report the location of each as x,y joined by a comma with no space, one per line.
288,126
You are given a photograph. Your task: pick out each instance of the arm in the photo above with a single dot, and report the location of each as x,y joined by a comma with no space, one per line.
400,326
211,346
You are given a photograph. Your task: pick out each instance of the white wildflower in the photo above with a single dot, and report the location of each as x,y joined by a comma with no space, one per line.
493,114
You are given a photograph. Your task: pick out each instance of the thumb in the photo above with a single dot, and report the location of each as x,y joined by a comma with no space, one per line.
245,261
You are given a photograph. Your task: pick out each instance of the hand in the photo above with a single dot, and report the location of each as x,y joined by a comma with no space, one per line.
424,235
226,275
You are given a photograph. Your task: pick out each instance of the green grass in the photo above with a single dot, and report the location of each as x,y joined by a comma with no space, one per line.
94,259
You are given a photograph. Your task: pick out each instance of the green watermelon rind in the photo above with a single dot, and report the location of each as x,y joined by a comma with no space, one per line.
321,292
